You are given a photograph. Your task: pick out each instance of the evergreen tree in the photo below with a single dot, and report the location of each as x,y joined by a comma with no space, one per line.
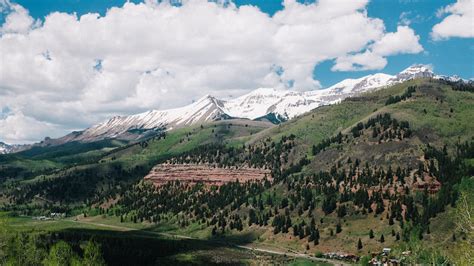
92,254
214,231
359,244
338,228
61,254
316,241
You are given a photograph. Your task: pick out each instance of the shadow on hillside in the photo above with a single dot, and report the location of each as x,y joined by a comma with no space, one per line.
142,247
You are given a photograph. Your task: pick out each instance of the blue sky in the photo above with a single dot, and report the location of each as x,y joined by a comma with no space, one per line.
450,57
81,62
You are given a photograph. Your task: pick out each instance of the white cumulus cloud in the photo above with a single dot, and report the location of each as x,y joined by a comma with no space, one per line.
18,20
458,23
404,40
68,71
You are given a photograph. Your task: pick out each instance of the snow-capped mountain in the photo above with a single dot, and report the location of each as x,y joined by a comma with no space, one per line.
263,101
288,104
415,71
4,148
205,109
258,104
364,84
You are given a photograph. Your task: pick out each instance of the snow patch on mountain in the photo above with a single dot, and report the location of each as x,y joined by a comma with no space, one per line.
262,102
4,148
7,148
205,109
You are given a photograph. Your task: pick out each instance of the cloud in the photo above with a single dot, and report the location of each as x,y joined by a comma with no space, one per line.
18,129
360,61
404,40
18,20
458,23
72,71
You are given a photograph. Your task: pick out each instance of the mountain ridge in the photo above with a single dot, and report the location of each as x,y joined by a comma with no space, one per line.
255,104
269,104
278,105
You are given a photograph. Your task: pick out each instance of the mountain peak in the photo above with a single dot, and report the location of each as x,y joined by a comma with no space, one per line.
4,148
206,98
418,68
258,103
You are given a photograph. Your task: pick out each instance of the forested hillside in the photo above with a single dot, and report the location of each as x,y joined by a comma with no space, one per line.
390,168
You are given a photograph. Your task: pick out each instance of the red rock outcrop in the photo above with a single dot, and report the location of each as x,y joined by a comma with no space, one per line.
193,173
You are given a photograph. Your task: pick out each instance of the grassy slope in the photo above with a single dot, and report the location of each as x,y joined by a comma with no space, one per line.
43,164
437,126
448,119
232,132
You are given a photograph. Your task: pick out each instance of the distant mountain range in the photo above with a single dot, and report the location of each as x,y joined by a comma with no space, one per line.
4,148
7,148
266,104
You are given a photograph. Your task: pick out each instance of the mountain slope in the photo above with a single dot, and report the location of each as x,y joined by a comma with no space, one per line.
205,109
447,115
370,163
263,103
4,148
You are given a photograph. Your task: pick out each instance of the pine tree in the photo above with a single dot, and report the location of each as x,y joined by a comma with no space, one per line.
93,254
371,234
338,228
390,221
214,230
300,231
382,239
359,244
316,241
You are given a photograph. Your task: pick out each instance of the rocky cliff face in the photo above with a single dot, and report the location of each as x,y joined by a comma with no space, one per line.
210,175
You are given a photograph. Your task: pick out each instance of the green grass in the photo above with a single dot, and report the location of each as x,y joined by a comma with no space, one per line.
185,139
306,262
438,117
199,252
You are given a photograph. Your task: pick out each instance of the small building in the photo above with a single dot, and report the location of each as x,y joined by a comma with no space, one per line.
406,253
57,215
386,251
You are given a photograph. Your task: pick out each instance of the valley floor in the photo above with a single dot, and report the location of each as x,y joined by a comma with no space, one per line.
202,252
